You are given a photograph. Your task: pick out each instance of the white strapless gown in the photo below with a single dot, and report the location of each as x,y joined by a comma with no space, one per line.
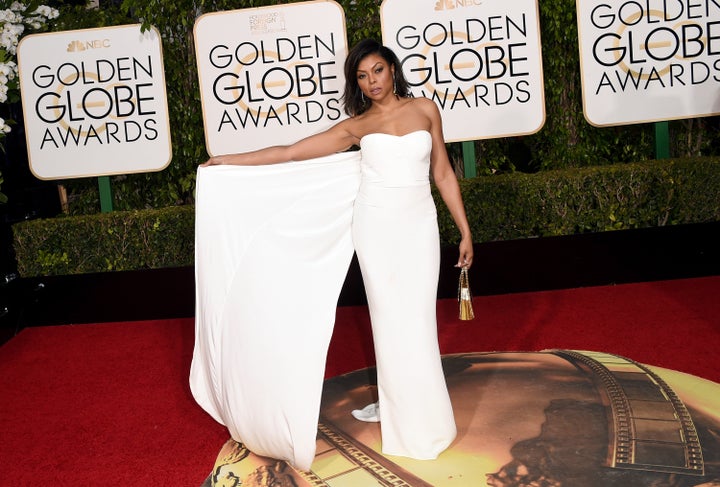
397,243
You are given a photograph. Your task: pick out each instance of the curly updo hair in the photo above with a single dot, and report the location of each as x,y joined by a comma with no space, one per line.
354,101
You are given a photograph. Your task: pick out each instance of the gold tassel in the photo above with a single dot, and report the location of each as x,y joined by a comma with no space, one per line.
465,296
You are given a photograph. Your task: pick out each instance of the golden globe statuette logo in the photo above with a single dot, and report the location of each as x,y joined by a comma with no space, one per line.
94,102
479,60
270,75
652,61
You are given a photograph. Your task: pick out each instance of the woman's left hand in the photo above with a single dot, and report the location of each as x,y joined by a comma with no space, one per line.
466,253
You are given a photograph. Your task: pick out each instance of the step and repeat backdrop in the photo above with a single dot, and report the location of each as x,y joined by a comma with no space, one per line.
94,101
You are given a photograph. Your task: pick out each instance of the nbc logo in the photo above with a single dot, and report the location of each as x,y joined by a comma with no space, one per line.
79,46
452,4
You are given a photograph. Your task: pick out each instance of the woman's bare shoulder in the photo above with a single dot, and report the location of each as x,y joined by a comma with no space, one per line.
349,128
425,104
422,108
359,125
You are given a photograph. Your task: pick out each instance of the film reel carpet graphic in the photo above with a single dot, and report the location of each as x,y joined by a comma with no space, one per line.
553,418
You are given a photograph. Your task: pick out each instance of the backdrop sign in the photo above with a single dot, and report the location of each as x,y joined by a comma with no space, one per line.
650,60
94,102
270,75
479,60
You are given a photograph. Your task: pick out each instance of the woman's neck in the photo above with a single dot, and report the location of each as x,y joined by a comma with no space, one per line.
387,104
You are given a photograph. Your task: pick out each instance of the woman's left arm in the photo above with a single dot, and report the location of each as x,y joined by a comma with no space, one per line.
444,177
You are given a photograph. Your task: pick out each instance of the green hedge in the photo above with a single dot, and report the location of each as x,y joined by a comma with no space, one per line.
500,207
117,241
590,199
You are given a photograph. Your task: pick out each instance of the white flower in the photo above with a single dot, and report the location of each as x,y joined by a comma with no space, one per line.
47,12
8,16
10,35
12,26
8,69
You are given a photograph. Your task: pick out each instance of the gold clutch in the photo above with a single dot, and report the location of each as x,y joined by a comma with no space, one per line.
465,296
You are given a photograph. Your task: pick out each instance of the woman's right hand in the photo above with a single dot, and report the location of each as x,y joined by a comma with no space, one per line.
213,161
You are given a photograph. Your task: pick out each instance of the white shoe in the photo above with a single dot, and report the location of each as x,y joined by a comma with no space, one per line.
369,414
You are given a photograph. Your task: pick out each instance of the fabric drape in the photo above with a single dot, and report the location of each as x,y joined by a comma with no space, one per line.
272,249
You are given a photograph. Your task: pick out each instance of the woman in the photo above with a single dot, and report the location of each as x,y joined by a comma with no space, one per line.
396,239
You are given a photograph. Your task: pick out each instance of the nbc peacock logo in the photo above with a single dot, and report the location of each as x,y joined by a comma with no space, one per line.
75,46
441,5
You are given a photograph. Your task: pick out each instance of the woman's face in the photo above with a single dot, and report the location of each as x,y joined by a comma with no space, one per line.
375,77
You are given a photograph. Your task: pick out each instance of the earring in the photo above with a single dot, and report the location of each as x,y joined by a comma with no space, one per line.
394,88
362,97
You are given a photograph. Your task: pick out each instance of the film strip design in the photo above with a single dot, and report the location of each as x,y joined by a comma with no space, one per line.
339,460
651,428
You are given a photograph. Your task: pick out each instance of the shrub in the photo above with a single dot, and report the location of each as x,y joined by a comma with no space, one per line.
117,241
589,199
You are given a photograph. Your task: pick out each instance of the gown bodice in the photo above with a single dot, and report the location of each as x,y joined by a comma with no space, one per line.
396,161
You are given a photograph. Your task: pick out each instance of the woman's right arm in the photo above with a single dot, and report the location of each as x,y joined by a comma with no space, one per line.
335,139
268,155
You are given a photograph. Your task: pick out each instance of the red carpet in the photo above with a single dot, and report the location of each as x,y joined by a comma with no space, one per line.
109,403
673,324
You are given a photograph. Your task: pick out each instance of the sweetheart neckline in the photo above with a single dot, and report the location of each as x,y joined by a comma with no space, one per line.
396,136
